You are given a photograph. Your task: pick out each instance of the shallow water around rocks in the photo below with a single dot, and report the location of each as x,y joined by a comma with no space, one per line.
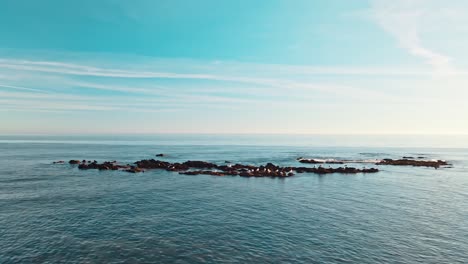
56,213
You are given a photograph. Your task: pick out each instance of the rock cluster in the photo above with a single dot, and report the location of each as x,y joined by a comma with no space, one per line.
417,163
207,168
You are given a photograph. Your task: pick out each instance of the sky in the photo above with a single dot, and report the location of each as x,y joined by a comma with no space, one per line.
209,66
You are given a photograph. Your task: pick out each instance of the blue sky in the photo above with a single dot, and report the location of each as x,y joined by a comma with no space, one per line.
172,66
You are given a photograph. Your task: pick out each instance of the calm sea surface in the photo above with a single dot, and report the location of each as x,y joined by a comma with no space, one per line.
51,213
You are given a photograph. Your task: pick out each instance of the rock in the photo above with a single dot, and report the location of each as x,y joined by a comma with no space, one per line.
74,162
59,162
160,155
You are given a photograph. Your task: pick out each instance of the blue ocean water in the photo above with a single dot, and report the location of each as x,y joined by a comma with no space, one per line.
53,213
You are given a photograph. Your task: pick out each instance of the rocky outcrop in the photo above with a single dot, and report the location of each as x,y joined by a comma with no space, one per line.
208,168
410,162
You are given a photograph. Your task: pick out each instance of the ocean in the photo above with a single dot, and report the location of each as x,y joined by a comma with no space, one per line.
55,213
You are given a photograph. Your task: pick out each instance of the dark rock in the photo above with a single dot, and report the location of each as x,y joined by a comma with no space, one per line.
153,164
160,155
74,162
199,164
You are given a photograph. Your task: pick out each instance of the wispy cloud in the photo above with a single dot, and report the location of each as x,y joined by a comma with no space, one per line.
404,20
281,77
128,85
386,16
21,88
